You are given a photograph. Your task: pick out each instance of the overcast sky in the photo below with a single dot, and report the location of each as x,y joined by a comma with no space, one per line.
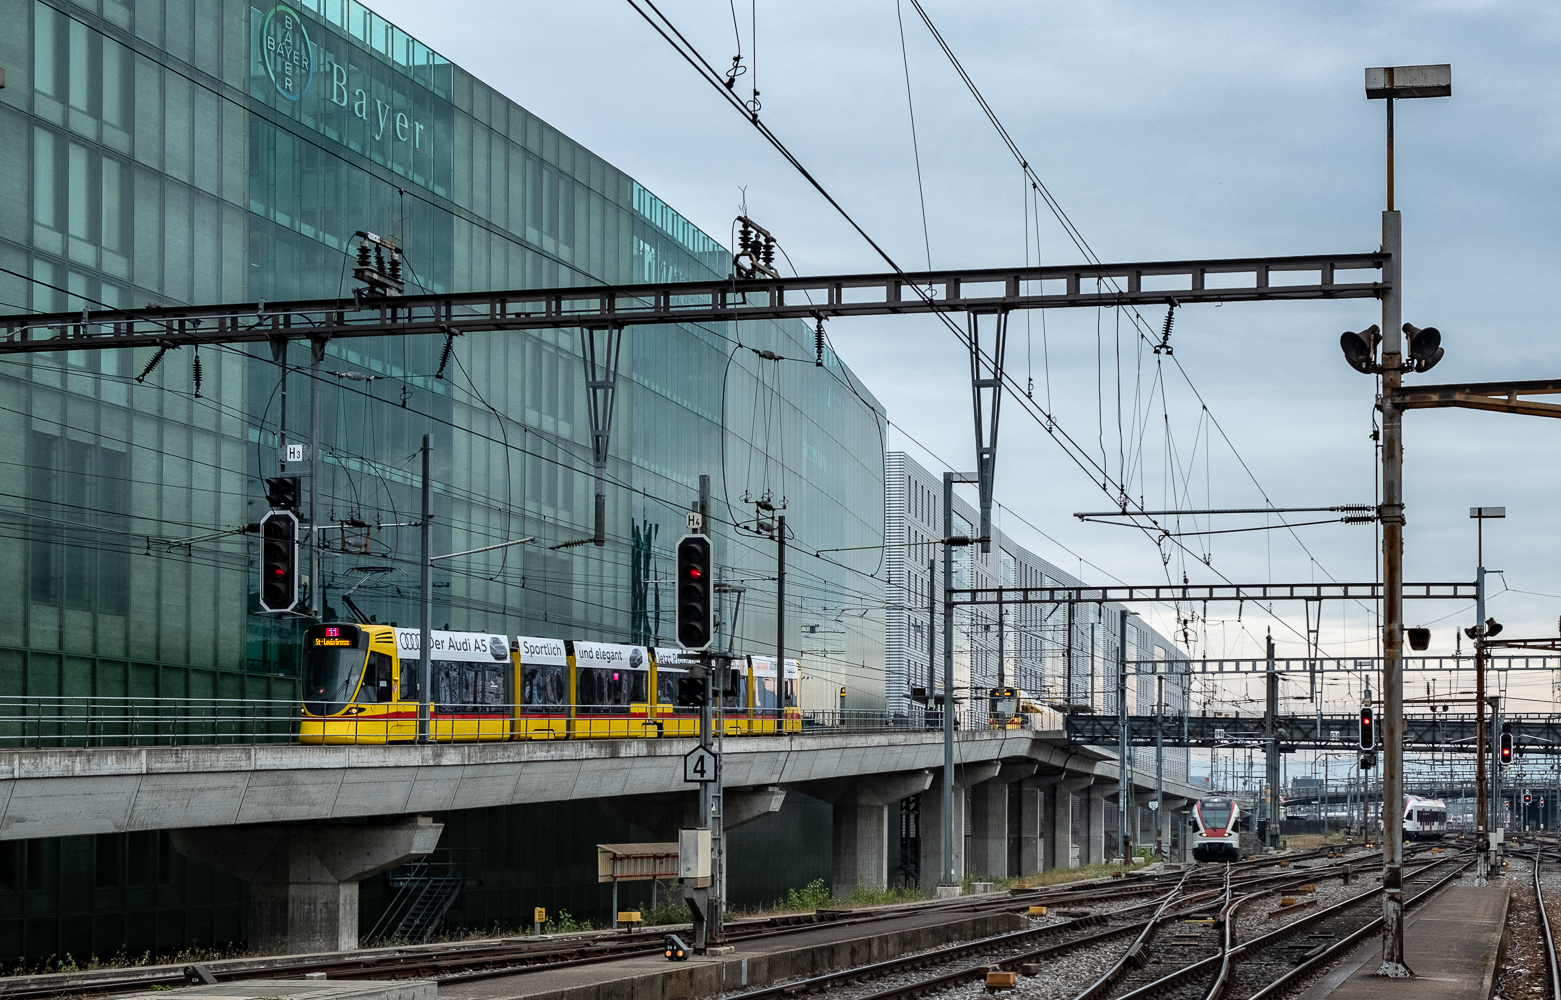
1165,131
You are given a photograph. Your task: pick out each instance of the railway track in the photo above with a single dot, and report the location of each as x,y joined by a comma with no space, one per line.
1547,934
509,957
1202,919
1196,899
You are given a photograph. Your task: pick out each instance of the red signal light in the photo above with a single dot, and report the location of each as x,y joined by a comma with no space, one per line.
695,573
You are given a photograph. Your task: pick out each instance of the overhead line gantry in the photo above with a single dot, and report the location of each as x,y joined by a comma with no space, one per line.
602,312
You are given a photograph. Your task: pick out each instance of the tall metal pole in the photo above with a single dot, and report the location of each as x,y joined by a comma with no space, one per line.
1482,794
1271,777
949,875
1001,666
316,528
707,924
426,599
1159,766
932,627
279,354
780,599
1124,777
1067,663
1393,964
1497,820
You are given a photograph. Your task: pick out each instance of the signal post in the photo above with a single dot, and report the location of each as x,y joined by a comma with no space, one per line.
700,850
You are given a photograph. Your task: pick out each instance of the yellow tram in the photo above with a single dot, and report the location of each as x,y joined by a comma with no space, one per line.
362,684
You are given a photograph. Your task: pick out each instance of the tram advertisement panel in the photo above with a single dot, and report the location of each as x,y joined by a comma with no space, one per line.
473,681
609,677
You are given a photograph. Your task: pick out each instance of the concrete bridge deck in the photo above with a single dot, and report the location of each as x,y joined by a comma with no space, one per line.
303,825
66,792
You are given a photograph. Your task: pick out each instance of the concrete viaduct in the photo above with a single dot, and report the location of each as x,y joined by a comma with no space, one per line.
304,824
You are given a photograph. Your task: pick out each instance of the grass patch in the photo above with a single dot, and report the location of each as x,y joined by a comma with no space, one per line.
122,960
1308,841
817,894
1060,876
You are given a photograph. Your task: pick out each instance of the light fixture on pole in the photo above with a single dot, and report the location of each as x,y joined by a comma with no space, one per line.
1391,84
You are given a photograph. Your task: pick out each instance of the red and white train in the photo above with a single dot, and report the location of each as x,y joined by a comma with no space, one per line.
1215,819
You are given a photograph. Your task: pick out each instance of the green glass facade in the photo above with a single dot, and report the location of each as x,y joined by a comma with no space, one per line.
194,151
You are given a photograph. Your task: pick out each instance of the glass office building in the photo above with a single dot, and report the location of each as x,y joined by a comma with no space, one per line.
190,151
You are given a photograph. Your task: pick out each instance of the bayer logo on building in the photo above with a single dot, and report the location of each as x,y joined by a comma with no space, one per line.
285,48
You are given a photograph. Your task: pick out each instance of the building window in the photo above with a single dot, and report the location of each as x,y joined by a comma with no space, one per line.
78,497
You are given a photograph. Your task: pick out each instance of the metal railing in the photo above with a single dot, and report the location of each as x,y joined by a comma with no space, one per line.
59,721
47,721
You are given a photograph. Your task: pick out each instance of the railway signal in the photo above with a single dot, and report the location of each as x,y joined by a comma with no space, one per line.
1506,743
1368,733
1360,349
1425,347
279,561
282,492
696,592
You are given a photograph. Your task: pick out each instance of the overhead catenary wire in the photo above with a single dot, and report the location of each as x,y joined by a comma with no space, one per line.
910,105
1072,231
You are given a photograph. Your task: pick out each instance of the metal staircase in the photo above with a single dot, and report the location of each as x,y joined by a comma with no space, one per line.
425,891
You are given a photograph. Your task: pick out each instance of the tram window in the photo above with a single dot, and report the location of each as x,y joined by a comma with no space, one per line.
468,687
543,685
611,689
667,685
452,685
411,679
376,679
492,686
765,693
331,673
590,691
789,693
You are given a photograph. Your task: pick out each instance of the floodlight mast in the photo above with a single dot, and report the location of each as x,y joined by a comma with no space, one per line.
1391,83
